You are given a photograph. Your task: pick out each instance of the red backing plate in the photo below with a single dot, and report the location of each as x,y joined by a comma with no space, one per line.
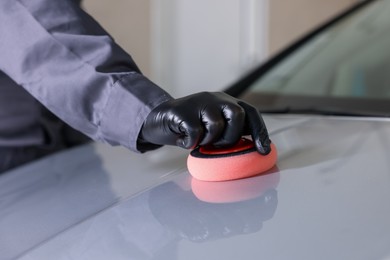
242,145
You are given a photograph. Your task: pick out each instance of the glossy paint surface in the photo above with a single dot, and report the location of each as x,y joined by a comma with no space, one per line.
328,198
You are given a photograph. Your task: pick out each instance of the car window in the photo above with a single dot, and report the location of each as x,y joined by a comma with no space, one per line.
348,61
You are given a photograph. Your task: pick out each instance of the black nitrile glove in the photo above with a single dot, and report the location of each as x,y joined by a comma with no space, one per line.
205,119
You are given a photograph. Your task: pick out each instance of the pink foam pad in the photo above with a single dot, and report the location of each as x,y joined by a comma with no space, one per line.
235,191
206,165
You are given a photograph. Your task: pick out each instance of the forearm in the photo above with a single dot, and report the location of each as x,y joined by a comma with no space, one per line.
71,65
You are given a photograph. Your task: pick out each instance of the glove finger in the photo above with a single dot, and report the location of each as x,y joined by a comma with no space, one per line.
191,133
214,125
257,128
235,121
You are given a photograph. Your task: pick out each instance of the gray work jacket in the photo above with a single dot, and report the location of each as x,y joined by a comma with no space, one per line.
59,55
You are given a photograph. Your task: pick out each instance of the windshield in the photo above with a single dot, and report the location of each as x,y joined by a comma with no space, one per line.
346,67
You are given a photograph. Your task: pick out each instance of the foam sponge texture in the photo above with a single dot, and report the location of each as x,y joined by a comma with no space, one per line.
240,161
234,191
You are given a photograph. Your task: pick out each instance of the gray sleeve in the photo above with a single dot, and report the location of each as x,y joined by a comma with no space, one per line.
62,57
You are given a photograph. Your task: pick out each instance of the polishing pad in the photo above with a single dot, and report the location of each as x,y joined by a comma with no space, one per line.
237,162
235,191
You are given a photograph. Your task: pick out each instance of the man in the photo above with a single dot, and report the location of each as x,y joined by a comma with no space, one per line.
62,58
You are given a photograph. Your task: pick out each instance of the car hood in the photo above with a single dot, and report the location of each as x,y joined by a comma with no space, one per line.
327,198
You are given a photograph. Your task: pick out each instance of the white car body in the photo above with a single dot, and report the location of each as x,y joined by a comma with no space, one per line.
328,198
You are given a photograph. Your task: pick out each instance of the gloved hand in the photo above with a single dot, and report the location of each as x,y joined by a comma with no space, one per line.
205,119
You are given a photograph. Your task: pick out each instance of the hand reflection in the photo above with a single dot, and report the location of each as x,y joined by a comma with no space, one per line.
153,224
215,210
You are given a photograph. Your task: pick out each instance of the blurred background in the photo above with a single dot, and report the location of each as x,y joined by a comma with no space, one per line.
187,46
